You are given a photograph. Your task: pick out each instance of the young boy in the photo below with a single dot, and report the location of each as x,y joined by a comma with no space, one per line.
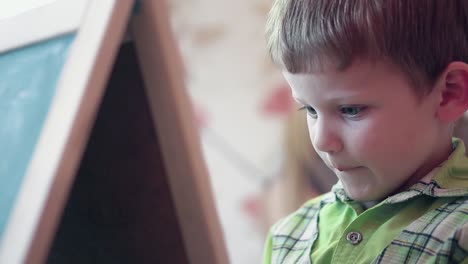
383,83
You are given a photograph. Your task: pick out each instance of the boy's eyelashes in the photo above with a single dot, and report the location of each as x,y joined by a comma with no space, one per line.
310,110
351,111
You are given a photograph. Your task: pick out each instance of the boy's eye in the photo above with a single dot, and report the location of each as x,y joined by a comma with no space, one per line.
351,110
310,110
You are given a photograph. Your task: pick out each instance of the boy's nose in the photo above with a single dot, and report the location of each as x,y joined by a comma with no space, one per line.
325,138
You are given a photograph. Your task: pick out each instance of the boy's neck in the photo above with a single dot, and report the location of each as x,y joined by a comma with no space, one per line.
367,205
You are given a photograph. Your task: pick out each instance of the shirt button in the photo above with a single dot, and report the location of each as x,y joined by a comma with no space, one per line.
354,238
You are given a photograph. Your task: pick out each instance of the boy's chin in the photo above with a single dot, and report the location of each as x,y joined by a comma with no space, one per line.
364,197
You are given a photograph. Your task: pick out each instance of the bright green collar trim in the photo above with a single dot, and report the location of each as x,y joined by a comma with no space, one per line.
453,173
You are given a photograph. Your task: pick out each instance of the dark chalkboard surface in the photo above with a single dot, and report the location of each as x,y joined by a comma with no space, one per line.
120,209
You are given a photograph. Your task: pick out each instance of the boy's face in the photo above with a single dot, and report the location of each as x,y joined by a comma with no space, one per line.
369,127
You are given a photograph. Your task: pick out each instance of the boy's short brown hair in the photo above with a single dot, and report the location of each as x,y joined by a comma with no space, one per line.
421,37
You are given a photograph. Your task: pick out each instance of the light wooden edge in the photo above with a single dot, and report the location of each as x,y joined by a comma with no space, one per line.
57,18
178,135
47,181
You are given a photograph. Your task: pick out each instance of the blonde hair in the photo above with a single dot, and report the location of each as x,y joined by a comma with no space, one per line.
421,37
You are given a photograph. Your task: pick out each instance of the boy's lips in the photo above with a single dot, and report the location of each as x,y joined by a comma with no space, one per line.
346,168
343,168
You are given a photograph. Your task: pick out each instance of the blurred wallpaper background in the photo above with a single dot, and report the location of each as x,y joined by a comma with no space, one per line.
243,108
240,101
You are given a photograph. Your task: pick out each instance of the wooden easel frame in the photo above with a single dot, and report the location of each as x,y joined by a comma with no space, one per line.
179,138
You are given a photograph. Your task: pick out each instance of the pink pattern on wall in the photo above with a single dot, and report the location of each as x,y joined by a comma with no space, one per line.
278,102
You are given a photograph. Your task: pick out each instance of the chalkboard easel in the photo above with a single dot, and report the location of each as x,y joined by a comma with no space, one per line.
116,173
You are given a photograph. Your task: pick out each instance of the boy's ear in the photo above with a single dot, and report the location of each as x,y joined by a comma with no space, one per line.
453,87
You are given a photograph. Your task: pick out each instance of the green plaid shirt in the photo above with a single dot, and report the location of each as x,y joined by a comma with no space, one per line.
428,223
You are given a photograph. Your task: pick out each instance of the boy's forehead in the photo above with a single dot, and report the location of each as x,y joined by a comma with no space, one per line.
331,80
358,80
